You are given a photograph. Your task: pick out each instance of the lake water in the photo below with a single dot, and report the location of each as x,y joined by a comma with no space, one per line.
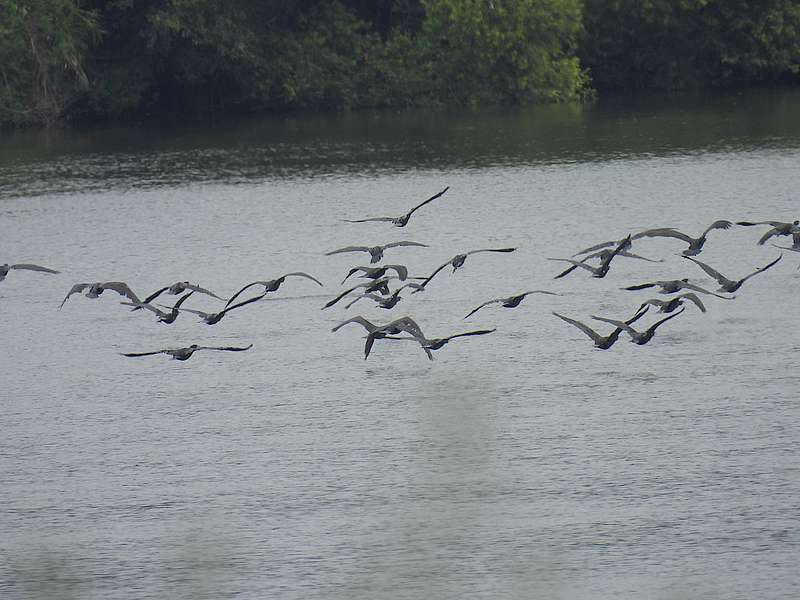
521,464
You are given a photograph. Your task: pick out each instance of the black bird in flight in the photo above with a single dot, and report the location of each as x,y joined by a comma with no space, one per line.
402,220
602,342
186,353
675,285
725,284
214,318
510,301
4,269
163,317
376,252
602,269
457,261
778,228
667,306
175,289
637,337
93,290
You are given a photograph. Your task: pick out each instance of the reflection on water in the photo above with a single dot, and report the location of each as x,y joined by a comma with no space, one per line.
520,464
370,144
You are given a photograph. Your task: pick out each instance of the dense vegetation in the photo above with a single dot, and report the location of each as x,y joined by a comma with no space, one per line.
93,59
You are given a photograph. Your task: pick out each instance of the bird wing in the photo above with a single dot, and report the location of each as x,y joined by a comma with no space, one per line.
432,275
29,267
595,247
367,220
575,264
468,333
484,304
121,288
352,289
182,299
762,269
75,289
627,254
712,272
227,348
641,286
406,324
490,250
357,319
403,243
584,328
697,288
154,295
359,298
348,249
146,305
301,274
769,234
751,223
694,298
654,302
352,271
197,288
242,303
410,284
665,232
248,286
539,292
655,325
619,324
431,199
402,271
191,310
721,224
144,353
565,272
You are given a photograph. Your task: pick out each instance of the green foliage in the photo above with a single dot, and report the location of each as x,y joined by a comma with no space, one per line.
43,44
504,50
690,43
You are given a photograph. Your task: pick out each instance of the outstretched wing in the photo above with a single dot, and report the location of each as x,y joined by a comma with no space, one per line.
751,223
121,288
655,325
144,353
243,303
468,333
697,288
762,269
712,272
226,348
431,199
247,287
584,328
368,220
402,271
348,248
197,288
490,250
721,224
75,289
575,264
641,286
29,267
153,296
146,305
431,276
344,293
403,243
694,298
301,274
772,232
357,319
665,232
488,302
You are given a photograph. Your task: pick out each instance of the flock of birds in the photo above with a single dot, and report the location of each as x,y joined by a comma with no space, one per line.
596,260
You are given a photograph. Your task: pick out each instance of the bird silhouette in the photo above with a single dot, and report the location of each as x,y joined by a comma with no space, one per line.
402,220
175,289
214,318
778,228
381,284
675,285
94,290
4,269
602,255
605,264
457,262
695,244
376,252
273,285
163,317
186,353
667,306
510,301
378,272
437,343
637,337
602,342
725,284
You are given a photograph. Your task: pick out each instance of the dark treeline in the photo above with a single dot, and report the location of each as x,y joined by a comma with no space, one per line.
128,59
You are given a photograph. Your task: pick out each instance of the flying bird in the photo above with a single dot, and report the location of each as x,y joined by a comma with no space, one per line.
695,244
381,284
605,264
214,318
510,301
602,342
457,261
778,228
186,353
175,289
637,337
378,272
163,317
93,290
602,255
377,332
667,306
725,284
402,220
675,285
4,269
273,284
387,302
376,252
437,343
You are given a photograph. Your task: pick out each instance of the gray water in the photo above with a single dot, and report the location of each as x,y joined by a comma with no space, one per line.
521,464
